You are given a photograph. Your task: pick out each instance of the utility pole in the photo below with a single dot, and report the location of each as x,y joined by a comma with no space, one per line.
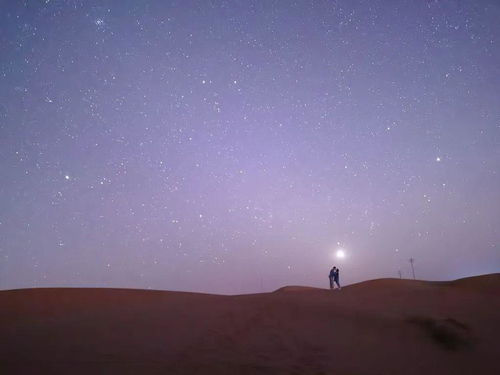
400,275
412,269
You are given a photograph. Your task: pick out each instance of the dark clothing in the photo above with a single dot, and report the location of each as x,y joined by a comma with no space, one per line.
331,276
336,278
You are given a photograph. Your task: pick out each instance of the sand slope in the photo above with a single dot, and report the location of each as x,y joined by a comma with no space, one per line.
385,326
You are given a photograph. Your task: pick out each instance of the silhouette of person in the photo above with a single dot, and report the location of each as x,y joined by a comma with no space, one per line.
336,277
331,276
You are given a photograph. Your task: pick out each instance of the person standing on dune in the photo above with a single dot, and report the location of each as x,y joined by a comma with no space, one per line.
331,276
336,277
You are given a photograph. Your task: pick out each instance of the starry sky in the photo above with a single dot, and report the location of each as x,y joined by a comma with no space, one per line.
234,146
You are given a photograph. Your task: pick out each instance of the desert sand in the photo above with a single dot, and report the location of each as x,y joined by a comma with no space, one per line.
386,326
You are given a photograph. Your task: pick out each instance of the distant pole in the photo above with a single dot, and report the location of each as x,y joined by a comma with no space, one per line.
412,269
399,273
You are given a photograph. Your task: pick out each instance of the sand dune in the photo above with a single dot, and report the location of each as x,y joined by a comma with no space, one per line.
384,326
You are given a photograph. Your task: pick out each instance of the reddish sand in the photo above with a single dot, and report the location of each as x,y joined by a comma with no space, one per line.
383,326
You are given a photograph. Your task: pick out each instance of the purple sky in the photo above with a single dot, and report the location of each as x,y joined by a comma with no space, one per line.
234,146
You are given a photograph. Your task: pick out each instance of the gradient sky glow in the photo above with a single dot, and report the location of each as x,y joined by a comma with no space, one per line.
235,146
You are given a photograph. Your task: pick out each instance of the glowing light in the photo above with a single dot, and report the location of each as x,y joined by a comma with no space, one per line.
340,254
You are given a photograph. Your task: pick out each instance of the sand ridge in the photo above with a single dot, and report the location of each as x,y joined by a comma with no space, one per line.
385,326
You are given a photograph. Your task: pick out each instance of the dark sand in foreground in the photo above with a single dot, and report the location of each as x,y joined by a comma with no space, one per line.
385,326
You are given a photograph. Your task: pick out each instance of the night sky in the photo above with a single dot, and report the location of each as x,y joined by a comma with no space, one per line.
235,146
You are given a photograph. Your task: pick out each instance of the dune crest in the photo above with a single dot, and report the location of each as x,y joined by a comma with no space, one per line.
379,326
295,288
